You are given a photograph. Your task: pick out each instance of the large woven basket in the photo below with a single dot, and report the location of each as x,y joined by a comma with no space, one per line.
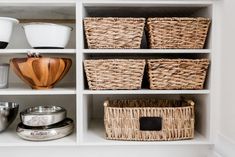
174,33
177,73
114,73
149,119
104,33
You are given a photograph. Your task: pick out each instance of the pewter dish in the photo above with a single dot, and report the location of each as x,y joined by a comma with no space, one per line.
8,113
42,115
46,133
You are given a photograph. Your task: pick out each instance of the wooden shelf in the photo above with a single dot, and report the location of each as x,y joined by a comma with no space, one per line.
95,135
44,51
22,89
44,9
10,138
162,3
108,51
146,91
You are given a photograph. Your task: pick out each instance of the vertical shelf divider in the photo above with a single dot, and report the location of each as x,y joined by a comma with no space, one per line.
79,68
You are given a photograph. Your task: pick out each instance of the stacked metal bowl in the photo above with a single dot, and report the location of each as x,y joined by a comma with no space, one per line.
44,123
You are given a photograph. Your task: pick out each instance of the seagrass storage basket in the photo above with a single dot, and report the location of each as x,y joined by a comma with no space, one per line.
114,33
177,73
149,119
177,33
114,73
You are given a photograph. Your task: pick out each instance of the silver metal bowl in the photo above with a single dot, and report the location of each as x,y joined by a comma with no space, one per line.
42,115
45,133
8,113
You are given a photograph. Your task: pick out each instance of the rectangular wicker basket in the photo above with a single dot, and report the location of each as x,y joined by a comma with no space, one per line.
177,73
114,73
177,33
149,119
108,33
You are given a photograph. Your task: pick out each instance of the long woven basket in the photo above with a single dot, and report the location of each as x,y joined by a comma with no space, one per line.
114,73
104,33
174,33
149,119
177,73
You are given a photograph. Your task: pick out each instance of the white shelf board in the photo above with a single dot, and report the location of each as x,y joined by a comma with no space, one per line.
45,51
23,89
25,9
10,138
38,2
96,136
145,3
146,91
206,51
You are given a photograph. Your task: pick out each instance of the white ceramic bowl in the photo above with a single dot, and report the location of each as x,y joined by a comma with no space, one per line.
6,27
47,35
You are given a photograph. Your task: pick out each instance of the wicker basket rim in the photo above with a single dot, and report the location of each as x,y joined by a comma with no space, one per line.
143,60
116,18
189,102
178,19
184,107
178,60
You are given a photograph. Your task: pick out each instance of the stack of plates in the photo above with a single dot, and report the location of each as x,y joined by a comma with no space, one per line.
44,123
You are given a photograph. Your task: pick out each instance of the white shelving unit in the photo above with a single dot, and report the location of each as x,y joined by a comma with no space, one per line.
146,91
22,89
42,51
10,138
64,94
28,99
151,51
92,108
95,136
86,106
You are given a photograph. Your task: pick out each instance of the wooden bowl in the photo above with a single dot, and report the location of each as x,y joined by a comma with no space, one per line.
41,73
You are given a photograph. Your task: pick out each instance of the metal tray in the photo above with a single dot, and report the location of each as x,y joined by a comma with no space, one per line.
45,133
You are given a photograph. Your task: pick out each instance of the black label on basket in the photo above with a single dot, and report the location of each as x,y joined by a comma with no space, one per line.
150,123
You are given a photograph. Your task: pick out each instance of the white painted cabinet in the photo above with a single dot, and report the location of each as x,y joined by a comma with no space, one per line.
214,104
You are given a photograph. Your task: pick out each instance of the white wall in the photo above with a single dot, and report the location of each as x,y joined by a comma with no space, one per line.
225,142
227,107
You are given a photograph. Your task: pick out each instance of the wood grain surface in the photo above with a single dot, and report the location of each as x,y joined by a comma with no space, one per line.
41,73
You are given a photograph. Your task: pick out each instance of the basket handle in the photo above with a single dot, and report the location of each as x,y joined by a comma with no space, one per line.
150,123
192,103
188,101
106,103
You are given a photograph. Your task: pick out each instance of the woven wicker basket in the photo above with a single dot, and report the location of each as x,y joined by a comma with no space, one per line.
149,119
174,33
177,73
103,33
114,73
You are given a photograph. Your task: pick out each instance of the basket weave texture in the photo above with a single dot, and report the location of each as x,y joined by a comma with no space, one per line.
114,73
122,119
104,33
174,33
177,73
